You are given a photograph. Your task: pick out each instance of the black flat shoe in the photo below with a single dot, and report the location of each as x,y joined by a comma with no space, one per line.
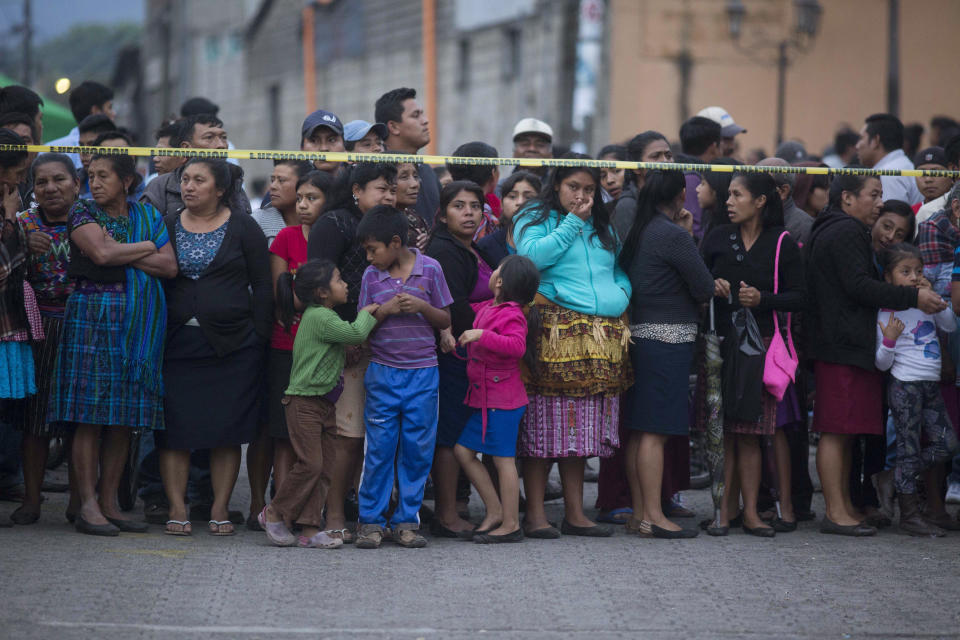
71,517
253,524
760,532
95,529
877,521
23,516
667,534
855,530
487,538
480,532
129,526
596,531
546,533
718,532
804,516
735,522
783,526
437,530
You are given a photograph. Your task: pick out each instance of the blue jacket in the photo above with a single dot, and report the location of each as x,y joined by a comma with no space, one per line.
576,271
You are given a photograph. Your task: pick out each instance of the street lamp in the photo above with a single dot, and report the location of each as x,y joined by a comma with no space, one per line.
805,29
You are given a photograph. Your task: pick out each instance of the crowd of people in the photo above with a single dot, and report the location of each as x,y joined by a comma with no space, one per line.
370,329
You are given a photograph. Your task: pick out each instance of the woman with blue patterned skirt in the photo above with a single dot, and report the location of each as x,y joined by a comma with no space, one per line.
107,377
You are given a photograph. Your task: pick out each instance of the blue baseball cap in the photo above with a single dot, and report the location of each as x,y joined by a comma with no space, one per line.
354,130
320,118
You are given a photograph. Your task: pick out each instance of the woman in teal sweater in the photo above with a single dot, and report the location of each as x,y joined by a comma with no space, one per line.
581,367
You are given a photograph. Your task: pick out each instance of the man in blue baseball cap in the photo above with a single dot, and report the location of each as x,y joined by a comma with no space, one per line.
322,131
363,137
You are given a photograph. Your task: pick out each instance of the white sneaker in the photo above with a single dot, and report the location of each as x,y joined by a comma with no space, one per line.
953,493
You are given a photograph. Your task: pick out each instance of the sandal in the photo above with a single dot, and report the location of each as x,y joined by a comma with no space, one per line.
183,531
344,534
220,528
277,532
25,515
610,517
640,528
321,540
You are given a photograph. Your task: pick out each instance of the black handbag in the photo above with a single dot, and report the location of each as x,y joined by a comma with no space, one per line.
743,360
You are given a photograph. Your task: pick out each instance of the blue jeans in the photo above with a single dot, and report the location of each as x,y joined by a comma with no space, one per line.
401,428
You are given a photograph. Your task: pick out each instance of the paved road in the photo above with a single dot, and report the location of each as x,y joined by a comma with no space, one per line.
55,583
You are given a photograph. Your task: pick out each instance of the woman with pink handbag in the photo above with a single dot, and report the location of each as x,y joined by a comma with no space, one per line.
756,266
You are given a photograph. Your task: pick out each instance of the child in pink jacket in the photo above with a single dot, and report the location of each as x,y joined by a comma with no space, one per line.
497,342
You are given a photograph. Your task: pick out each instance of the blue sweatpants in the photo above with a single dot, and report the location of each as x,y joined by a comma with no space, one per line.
401,424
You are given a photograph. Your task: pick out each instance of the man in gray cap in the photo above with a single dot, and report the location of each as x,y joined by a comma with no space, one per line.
795,219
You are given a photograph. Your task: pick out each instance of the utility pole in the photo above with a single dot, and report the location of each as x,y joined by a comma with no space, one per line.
27,44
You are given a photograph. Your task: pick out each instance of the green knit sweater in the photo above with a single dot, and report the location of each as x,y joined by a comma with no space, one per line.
318,354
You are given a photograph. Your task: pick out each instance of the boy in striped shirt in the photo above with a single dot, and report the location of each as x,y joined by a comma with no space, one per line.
401,382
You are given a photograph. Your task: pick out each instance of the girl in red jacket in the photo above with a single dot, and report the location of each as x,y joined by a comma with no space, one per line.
499,340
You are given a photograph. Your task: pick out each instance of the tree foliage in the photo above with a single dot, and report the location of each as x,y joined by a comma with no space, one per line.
85,52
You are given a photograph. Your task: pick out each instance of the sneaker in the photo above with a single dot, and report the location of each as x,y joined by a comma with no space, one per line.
953,493
409,538
369,537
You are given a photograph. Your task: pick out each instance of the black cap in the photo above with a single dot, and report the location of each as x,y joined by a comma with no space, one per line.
320,118
197,106
931,155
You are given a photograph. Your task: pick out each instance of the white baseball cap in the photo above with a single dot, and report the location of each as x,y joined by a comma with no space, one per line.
532,125
724,119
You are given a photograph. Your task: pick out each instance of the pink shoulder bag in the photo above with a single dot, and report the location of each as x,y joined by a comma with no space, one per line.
780,365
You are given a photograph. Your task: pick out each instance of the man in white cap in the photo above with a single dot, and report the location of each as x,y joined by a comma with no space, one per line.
533,138
730,129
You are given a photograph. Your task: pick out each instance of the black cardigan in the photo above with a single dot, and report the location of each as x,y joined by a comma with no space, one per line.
233,296
460,271
494,246
334,237
756,269
844,292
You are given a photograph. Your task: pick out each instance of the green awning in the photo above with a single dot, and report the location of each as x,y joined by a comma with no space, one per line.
57,119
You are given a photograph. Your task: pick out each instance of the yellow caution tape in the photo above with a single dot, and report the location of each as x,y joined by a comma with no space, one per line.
393,158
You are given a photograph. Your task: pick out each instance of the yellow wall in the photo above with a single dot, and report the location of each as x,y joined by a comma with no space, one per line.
840,79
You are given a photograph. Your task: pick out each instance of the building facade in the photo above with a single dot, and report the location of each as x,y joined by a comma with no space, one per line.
497,62
671,58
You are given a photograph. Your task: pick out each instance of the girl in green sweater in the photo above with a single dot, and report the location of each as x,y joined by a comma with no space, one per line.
316,381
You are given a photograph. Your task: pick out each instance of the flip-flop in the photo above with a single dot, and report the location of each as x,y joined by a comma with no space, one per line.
183,528
214,528
610,516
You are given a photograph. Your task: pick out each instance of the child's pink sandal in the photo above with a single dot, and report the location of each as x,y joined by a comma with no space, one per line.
321,540
277,532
